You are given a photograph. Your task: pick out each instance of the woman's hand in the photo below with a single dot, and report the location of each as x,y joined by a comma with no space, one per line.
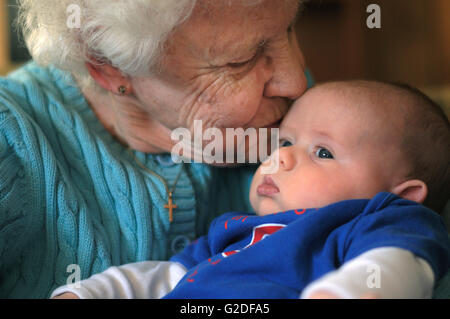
66,295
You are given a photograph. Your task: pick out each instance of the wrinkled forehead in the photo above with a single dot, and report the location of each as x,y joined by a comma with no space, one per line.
217,27
210,8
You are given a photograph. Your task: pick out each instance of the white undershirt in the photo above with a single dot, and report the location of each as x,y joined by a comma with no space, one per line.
386,272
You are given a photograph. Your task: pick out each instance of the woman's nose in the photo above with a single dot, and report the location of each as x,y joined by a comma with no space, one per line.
286,158
288,78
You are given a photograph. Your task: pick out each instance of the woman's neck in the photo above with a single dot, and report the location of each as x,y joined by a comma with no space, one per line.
124,119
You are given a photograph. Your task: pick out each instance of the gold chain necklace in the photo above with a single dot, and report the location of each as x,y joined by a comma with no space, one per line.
170,204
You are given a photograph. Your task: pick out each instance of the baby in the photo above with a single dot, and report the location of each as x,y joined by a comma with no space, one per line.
341,217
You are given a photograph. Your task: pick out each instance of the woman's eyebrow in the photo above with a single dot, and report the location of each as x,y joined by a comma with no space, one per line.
243,49
236,49
252,48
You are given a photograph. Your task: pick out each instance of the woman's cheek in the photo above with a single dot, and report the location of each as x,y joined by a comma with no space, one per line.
248,97
239,101
226,99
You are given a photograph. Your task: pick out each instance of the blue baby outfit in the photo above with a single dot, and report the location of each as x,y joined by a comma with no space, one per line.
276,256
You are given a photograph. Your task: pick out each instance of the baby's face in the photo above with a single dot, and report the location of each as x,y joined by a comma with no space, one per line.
333,147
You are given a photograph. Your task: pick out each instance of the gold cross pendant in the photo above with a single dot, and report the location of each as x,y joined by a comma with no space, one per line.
170,206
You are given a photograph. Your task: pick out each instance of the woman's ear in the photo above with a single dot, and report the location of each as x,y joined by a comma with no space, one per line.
414,189
108,77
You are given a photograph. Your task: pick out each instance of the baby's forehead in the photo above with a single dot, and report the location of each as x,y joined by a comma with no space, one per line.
359,89
374,99
365,107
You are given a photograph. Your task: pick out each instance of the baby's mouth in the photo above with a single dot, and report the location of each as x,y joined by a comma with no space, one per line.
268,187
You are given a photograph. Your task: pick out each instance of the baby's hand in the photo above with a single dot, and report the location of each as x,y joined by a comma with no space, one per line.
323,295
327,295
66,295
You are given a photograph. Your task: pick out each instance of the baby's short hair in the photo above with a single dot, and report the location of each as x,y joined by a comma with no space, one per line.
426,144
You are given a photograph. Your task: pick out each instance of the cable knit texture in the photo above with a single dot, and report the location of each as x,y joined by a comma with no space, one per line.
71,194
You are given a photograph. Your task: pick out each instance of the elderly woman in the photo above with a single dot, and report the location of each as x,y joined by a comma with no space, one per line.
86,178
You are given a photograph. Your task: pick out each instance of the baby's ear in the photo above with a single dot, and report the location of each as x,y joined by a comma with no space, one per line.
414,189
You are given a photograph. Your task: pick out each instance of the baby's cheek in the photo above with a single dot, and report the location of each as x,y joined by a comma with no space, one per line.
307,189
253,196
329,191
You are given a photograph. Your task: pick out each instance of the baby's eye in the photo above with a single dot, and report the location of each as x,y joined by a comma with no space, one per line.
285,143
324,153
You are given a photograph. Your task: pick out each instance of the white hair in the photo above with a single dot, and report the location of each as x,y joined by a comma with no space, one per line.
127,34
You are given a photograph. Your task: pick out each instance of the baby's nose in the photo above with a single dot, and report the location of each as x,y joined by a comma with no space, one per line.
286,158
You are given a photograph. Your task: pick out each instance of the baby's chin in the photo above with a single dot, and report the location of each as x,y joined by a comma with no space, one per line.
265,206
263,212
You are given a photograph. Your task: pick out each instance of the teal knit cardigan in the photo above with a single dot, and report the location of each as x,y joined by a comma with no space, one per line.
70,194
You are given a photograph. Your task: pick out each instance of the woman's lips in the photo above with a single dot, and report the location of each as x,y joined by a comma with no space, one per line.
268,187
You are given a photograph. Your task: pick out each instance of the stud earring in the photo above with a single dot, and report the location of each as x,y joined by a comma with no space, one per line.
122,89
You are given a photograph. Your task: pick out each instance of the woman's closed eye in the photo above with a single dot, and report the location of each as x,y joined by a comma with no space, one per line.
240,64
323,153
255,57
